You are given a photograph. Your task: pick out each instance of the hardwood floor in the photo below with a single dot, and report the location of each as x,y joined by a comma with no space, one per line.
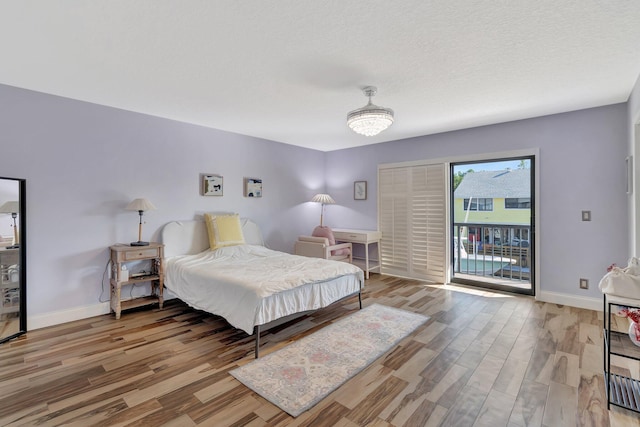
483,359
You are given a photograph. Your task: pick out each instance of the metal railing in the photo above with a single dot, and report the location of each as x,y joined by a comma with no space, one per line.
499,251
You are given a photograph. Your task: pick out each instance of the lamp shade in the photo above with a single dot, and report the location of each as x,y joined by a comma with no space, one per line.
140,205
10,207
325,199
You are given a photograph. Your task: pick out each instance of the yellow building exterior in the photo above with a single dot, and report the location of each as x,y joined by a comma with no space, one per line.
498,215
499,199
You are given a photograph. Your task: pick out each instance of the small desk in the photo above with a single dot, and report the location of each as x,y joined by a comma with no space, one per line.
363,237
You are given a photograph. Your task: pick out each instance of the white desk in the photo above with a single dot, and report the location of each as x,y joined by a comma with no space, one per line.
363,237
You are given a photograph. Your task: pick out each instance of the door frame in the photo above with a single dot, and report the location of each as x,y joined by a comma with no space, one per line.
534,153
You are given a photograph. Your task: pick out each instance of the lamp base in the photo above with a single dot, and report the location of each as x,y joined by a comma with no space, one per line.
139,243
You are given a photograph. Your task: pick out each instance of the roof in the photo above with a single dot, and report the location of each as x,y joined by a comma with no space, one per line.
510,183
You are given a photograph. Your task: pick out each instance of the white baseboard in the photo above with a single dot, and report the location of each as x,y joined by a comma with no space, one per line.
78,313
571,300
39,321
57,317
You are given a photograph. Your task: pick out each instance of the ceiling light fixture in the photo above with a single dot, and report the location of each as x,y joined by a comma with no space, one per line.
371,119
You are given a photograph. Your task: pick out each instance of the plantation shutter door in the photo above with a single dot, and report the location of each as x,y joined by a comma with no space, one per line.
393,220
412,215
418,221
436,223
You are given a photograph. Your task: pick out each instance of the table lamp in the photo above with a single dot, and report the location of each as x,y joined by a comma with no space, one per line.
12,207
140,205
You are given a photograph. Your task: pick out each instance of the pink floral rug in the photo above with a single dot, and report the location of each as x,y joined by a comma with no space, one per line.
300,375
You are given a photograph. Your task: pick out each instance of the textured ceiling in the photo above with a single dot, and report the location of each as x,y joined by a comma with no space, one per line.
290,70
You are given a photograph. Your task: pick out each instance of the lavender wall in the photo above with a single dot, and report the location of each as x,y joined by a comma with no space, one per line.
581,164
84,163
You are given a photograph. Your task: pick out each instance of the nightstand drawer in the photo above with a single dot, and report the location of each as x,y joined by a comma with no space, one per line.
141,254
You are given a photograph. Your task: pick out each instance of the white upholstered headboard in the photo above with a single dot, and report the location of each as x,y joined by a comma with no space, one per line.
190,237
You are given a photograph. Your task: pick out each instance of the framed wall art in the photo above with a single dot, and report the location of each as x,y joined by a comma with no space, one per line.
211,185
360,190
252,187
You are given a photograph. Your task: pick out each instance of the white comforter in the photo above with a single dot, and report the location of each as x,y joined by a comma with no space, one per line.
252,285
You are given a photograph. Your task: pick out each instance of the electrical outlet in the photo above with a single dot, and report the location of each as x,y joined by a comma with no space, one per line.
584,283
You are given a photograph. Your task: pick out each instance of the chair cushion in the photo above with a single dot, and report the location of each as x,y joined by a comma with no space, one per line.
327,232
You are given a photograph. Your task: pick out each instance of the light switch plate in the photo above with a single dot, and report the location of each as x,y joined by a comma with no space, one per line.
586,215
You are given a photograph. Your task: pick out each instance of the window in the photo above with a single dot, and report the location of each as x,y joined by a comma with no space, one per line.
517,203
478,204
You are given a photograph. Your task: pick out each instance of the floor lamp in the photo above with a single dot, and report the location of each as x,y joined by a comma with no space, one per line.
325,199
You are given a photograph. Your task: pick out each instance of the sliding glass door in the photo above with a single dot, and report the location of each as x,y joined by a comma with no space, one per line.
492,218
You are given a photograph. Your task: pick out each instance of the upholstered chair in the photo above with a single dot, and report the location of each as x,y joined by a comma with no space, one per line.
322,244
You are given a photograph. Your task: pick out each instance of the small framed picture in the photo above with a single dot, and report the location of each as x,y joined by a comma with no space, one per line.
360,190
252,187
211,185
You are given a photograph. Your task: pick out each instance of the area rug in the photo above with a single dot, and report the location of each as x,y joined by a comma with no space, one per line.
298,376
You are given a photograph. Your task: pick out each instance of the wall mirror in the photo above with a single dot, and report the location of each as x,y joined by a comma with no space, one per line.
13,268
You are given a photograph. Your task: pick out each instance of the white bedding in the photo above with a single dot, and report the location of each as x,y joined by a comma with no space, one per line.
251,285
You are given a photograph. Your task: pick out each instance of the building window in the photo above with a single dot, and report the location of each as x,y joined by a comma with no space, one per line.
517,203
478,204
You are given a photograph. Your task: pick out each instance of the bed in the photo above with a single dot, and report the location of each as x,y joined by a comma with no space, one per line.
249,285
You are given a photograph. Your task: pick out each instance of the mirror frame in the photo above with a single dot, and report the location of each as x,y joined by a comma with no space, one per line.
22,198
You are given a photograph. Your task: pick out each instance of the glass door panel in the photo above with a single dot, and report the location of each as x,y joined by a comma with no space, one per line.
492,223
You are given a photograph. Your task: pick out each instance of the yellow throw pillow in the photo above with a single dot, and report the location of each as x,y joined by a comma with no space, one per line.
224,230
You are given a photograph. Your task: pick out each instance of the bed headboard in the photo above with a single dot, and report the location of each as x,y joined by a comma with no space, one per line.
190,237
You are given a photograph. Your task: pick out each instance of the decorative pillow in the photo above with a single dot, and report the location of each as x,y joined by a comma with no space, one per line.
224,230
327,232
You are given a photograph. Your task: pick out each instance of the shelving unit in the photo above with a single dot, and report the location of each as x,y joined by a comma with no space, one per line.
121,254
622,390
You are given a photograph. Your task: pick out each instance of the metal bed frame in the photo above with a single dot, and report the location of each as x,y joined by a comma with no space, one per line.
257,330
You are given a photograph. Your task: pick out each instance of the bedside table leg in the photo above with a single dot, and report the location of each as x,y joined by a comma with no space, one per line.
115,300
160,296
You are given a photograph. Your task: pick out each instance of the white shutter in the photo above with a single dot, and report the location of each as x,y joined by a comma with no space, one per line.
436,223
412,217
393,209
418,217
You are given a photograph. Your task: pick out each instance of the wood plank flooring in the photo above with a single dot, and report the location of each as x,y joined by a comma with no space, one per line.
483,359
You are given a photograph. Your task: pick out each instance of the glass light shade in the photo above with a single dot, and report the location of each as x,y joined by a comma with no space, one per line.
370,120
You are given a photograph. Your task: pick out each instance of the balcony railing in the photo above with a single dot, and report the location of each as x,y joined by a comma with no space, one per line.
498,251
